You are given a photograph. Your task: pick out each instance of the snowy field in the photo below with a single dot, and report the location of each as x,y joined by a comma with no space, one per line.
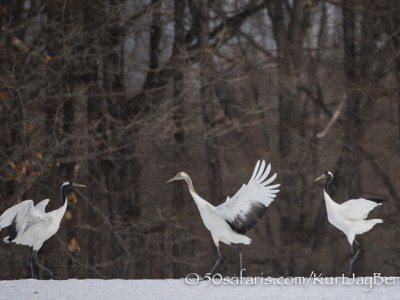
283,288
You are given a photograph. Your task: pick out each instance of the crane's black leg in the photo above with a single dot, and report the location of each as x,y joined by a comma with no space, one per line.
33,264
52,275
241,258
34,259
353,257
219,259
358,251
351,262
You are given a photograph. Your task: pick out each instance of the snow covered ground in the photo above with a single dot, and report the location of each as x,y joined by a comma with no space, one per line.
248,288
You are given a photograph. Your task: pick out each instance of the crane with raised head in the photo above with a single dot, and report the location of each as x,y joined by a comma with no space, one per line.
350,216
229,222
30,225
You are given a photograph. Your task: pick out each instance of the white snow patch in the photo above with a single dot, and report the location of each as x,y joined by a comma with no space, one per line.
96,289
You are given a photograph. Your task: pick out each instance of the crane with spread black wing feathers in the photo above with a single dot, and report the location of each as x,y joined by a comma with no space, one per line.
30,225
350,217
229,222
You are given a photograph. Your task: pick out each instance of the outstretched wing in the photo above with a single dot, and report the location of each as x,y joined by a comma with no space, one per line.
250,202
358,209
18,217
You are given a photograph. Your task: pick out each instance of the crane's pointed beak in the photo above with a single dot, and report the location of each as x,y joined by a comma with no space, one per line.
172,179
78,185
320,177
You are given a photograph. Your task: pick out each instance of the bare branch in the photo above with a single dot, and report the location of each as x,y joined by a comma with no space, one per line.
332,121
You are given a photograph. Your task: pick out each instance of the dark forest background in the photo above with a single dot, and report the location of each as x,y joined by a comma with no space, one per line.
122,95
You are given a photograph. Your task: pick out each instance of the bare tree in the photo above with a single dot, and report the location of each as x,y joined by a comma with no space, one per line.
121,95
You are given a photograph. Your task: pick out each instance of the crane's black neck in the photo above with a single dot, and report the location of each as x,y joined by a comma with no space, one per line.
64,188
328,182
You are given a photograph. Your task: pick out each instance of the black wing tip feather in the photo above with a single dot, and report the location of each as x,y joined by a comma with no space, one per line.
12,231
236,227
242,225
258,209
376,200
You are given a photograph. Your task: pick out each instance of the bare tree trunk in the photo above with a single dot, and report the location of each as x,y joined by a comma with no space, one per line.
206,94
347,179
348,173
289,36
396,43
179,135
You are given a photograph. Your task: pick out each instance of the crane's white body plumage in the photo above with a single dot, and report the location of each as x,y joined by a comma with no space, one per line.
229,221
32,224
350,216
217,225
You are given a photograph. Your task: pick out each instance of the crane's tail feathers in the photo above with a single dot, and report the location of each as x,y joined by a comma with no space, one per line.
376,200
367,225
246,240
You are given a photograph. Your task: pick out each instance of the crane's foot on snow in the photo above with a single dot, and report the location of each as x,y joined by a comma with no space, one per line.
52,276
55,277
